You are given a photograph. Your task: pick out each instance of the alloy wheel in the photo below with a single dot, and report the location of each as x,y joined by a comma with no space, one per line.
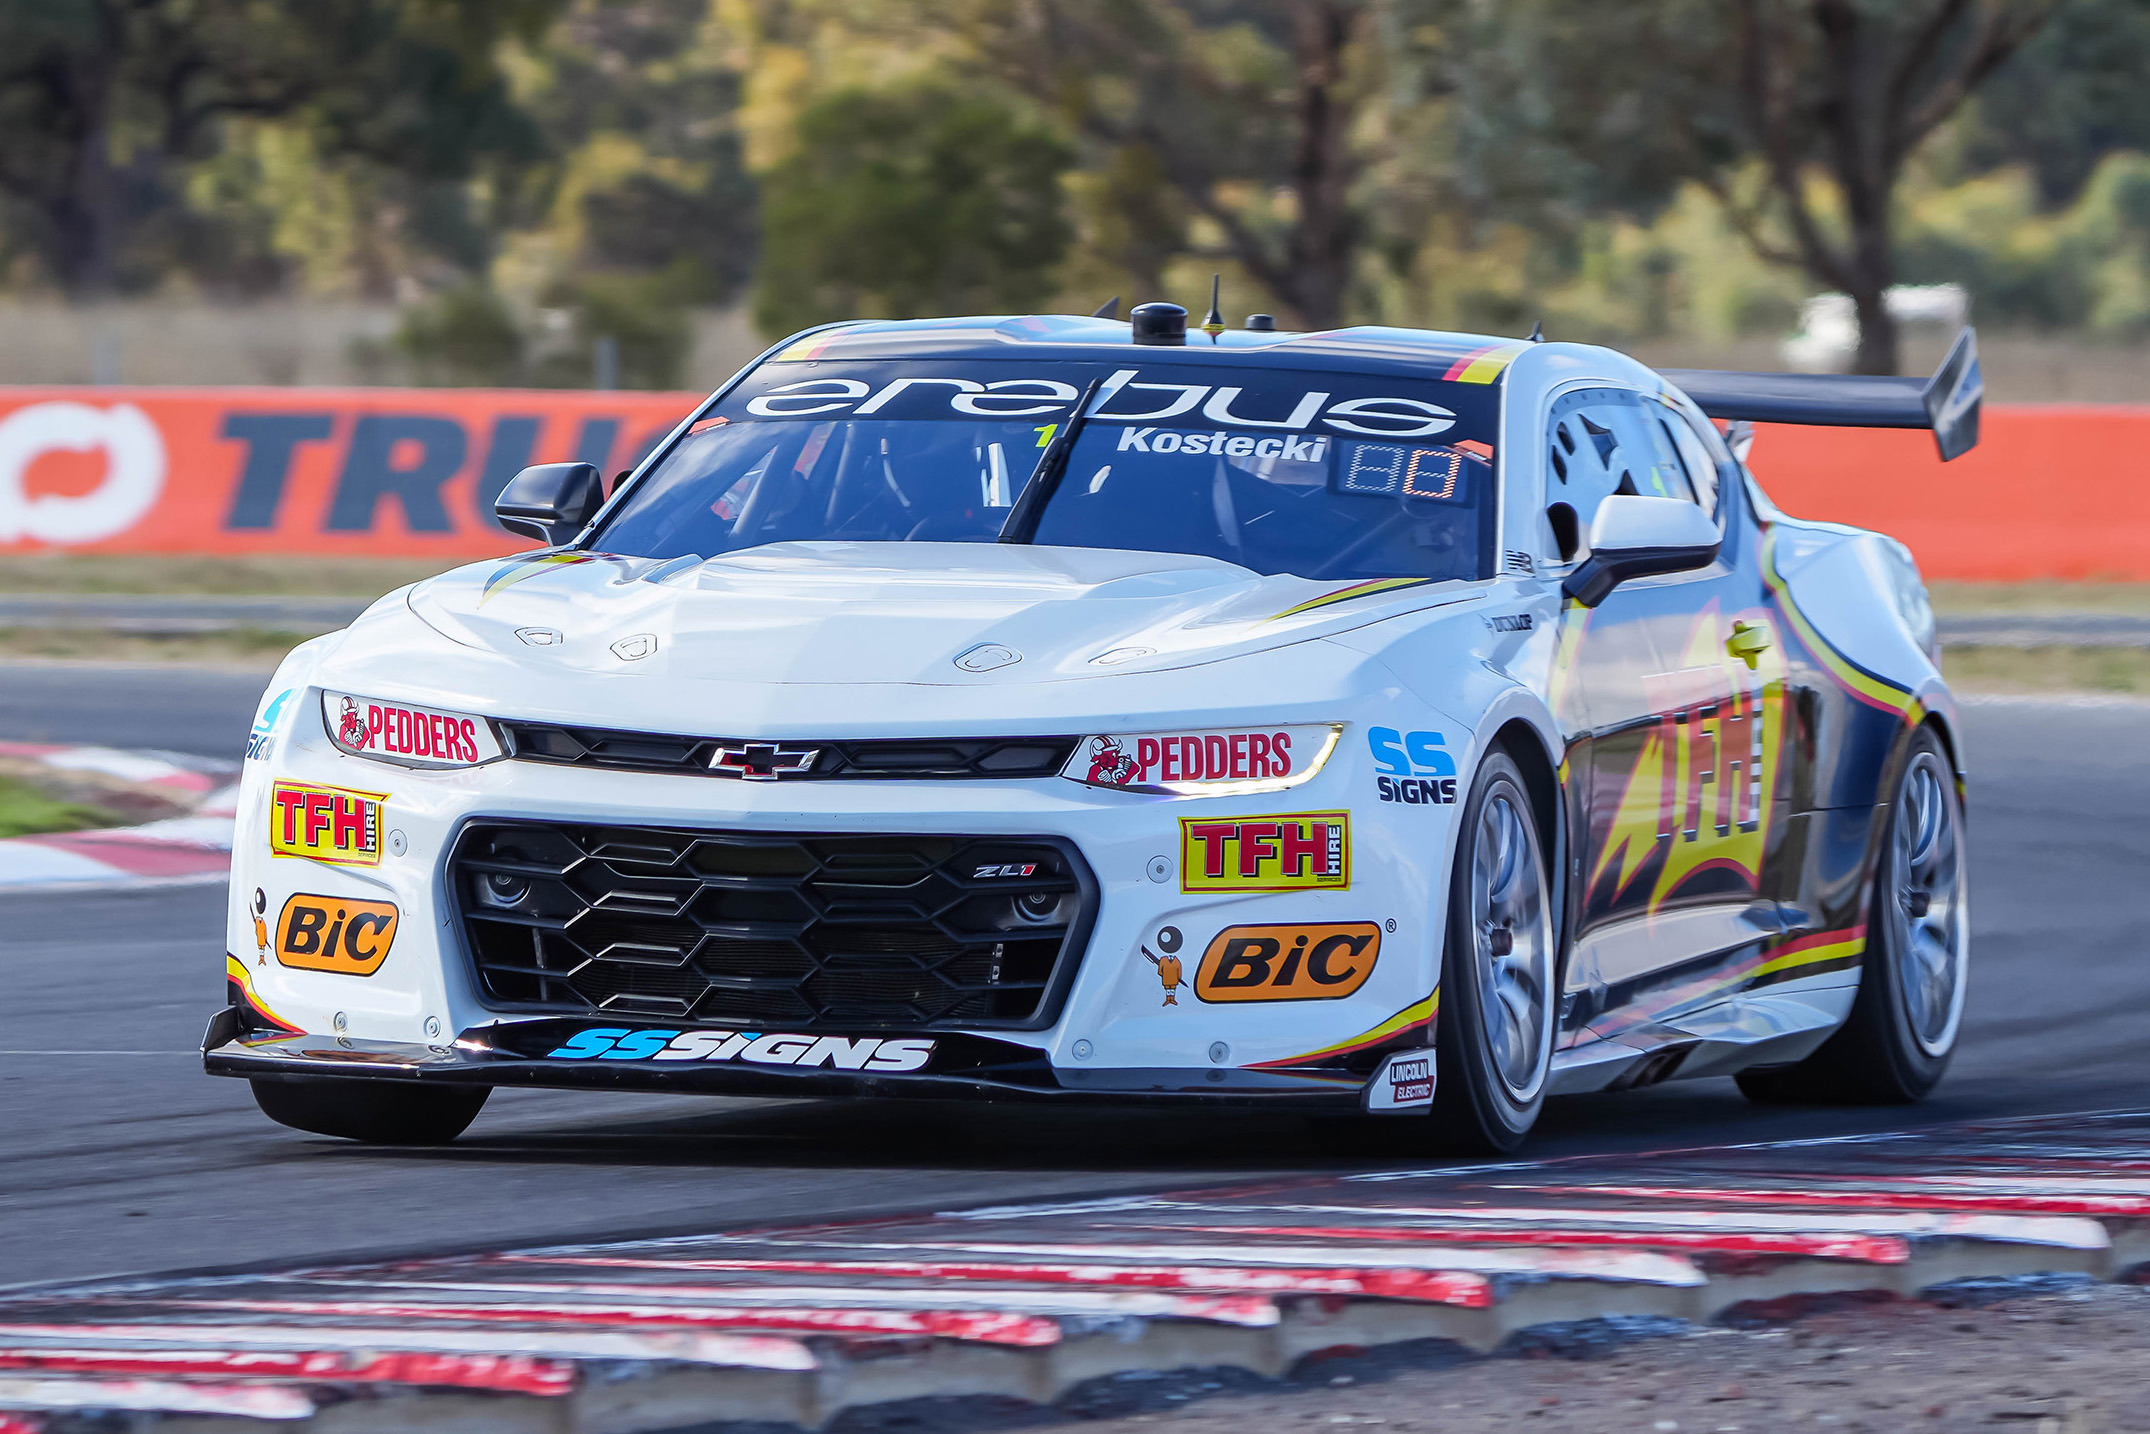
1925,904
1514,946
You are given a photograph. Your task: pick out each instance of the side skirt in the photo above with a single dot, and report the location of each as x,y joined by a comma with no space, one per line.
1772,1026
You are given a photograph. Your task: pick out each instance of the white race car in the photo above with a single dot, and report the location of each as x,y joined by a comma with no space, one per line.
1369,721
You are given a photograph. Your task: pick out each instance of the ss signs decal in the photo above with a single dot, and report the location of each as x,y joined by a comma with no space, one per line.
1415,767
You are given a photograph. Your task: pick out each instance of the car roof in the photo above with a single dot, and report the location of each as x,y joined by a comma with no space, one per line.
1422,353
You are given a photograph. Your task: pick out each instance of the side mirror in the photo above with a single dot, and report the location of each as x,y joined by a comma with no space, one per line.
551,502
1635,537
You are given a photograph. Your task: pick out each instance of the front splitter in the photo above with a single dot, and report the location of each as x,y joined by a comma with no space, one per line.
965,1067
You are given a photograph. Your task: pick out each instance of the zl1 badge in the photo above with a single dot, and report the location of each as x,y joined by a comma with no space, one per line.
335,933
331,824
1288,963
1304,851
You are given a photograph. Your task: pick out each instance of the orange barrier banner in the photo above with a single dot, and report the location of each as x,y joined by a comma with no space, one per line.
2052,491
353,472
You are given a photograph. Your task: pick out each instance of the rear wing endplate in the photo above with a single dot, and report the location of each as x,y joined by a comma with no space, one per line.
1948,403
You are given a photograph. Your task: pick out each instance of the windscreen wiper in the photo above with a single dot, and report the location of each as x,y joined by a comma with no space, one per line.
1022,524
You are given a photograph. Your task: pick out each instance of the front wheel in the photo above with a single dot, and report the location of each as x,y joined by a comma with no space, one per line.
1494,1038
1902,1029
377,1112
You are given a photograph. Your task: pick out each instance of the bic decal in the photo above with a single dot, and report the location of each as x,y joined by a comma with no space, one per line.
1701,792
1288,963
331,824
335,933
1288,853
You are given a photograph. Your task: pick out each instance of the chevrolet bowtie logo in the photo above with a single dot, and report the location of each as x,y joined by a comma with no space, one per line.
763,761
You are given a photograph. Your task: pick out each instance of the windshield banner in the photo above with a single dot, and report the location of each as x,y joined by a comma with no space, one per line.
1155,400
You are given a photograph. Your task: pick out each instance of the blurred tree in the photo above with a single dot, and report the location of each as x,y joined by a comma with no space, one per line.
918,201
462,337
1636,95
643,314
100,101
639,101
1244,111
2074,94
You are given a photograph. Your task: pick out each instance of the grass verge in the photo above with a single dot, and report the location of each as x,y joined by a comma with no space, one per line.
1964,599
26,811
215,576
248,647
2042,670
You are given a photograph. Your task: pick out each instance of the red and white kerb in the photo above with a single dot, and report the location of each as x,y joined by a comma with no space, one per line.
413,736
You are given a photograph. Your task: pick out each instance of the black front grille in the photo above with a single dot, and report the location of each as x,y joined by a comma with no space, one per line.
862,932
930,758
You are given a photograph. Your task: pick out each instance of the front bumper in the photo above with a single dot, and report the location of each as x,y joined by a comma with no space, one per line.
966,1067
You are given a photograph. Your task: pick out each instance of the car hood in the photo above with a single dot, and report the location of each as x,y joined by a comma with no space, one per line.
941,614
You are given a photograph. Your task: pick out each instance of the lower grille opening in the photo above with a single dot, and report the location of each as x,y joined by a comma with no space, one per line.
864,932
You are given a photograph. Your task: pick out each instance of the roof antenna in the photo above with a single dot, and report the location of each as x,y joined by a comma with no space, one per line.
1537,332
1110,309
1213,321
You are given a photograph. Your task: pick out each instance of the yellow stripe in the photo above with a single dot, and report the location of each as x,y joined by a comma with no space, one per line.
525,568
803,349
1810,956
1487,367
1411,1015
1356,590
235,970
1886,694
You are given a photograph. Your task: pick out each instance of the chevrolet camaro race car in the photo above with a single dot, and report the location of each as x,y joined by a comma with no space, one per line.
1368,721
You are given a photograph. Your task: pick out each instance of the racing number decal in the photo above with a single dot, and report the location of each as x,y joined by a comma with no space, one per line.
335,933
1700,794
1289,853
1288,963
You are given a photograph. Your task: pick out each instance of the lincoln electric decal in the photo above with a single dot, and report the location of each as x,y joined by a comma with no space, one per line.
1701,791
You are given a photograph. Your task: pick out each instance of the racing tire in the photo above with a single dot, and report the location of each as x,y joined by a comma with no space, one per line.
1896,1044
375,1112
1493,1047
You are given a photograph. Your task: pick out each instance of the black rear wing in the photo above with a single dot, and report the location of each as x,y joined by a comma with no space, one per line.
1947,403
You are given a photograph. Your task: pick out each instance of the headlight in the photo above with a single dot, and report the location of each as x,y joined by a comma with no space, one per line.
405,735
1221,762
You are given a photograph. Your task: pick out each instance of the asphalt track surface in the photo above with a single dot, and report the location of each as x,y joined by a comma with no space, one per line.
117,1155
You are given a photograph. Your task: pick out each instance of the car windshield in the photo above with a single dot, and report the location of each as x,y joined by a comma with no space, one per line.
1324,475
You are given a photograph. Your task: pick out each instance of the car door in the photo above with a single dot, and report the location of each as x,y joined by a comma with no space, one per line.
1680,682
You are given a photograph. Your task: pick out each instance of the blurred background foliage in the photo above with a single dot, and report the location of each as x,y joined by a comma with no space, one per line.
530,181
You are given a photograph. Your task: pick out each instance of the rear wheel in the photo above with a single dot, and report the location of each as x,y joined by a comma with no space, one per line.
378,1112
1902,1030
1494,1038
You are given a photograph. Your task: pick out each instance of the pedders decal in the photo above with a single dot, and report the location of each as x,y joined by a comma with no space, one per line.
1214,762
411,736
